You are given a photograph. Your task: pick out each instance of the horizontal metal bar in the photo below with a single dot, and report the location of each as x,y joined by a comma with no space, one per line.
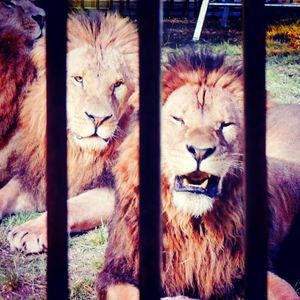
291,5
149,16
57,264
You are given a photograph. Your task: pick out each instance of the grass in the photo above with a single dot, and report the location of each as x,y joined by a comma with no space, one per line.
23,277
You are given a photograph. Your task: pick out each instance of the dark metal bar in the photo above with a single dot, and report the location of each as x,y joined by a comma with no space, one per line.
57,264
149,16
255,160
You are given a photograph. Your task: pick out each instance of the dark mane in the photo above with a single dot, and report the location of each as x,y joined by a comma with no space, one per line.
193,60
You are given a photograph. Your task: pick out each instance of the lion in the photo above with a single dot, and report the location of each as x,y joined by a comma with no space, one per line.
102,78
23,15
203,218
21,23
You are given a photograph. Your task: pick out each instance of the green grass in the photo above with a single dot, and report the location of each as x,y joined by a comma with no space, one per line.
23,277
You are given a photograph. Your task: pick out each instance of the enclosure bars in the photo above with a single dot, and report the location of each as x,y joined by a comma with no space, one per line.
149,16
57,264
255,160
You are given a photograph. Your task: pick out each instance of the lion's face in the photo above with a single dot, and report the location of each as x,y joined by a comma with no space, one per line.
98,88
201,144
23,15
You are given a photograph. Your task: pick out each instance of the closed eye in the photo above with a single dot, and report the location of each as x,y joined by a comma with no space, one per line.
118,83
178,121
226,124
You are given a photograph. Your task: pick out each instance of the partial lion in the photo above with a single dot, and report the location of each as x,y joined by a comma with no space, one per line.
102,76
203,218
21,23
24,16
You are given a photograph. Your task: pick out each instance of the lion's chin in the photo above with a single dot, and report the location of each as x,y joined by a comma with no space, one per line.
192,204
92,143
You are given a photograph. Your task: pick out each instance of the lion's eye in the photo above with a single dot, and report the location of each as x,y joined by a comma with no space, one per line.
118,83
178,121
78,79
8,4
226,124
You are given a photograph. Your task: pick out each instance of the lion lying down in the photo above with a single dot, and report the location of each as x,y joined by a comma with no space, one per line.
102,77
203,218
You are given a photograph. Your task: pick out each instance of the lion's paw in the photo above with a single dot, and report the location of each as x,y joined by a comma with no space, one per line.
30,237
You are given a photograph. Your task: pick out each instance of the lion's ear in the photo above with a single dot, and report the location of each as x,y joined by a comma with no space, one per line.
39,55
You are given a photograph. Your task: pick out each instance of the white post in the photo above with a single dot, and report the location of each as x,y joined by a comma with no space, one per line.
200,20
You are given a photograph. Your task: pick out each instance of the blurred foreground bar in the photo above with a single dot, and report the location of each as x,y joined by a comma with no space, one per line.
255,160
149,17
57,192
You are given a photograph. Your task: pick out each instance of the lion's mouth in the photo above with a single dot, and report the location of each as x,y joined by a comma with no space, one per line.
93,136
197,182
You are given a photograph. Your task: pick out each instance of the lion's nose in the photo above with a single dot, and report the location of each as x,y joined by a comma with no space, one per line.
200,153
40,19
98,121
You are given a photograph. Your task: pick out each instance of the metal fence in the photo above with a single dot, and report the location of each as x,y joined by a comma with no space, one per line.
150,34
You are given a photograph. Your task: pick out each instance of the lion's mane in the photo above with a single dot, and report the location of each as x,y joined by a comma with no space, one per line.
202,257
86,168
17,72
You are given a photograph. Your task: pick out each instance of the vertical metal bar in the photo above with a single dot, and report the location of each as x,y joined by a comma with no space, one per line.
149,16
255,161
57,264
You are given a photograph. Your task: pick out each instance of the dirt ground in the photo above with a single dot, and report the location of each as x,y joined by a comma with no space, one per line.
178,32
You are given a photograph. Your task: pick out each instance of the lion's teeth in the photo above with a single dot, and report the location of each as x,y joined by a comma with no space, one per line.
204,184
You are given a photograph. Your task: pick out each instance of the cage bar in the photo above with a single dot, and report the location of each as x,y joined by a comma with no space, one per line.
149,17
255,159
57,260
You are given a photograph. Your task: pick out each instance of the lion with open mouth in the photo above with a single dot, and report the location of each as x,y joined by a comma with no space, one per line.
203,217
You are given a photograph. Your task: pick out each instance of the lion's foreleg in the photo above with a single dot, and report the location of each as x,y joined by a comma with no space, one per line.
90,209
85,211
122,292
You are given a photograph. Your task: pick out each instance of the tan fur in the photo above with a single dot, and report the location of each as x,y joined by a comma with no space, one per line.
123,292
102,50
203,250
280,289
20,14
